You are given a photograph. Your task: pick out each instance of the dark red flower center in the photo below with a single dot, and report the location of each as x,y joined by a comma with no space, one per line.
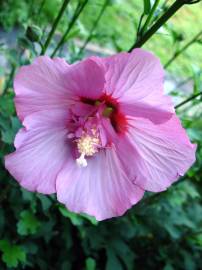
112,111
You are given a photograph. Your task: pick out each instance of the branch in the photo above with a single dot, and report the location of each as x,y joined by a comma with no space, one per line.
139,31
163,19
55,24
94,26
148,20
78,11
188,100
192,41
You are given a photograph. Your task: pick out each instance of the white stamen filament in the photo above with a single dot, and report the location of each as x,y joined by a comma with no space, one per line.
81,161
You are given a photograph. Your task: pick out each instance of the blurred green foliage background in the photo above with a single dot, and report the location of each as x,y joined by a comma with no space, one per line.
164,231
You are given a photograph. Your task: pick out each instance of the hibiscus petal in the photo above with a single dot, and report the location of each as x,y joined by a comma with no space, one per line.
136,80
41,86
86,79
41,151
49,84
101,189
156,155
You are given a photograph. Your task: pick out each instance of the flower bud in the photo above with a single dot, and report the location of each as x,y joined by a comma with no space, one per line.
33,33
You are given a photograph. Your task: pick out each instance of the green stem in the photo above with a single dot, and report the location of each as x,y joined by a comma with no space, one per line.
37,15
194,1
176,54
94,26
9,80
164,18
41,7
30,9
139,27
148,20
188,100
79,9
55,24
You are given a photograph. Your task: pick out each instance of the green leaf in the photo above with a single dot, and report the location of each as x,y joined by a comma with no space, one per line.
12,254
198,239
90,264
72,34
27,195
75,218
90,218
188,260
7,105
112,261
123,252
168,266
31,198
46,229
28,223
25,43
45,201
66,266
11,129
147,7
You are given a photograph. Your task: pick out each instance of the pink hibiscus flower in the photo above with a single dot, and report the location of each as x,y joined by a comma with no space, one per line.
98,133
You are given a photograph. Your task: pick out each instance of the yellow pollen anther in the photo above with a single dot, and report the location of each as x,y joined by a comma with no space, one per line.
87,145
